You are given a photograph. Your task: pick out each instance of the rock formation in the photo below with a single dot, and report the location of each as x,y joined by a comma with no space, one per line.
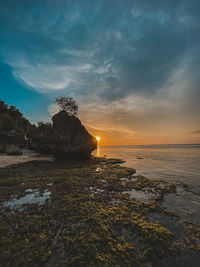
11,143
12,149
66,138
2,148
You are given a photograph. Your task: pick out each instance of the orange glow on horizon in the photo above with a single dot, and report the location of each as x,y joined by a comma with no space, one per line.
107,137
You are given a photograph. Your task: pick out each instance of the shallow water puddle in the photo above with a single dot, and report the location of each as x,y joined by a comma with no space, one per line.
176,227
98,169
140,195
95,190
124,180
32,197
115,201
184,207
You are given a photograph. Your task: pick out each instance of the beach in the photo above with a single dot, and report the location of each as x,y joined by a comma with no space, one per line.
27,155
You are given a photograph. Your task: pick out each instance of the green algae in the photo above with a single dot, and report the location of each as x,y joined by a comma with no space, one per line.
81,225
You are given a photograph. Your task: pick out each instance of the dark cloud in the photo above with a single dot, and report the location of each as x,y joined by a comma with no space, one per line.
143,42
195,132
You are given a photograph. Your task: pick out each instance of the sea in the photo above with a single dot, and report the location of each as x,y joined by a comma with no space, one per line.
179,163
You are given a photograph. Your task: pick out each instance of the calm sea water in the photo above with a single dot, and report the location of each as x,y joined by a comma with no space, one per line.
171,162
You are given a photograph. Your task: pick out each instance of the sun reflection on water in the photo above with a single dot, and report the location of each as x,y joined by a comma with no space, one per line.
98,152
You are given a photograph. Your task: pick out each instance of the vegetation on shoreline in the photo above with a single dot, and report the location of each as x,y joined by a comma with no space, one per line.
11,119
89,219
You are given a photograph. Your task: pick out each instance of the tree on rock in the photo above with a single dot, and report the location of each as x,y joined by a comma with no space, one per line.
67,104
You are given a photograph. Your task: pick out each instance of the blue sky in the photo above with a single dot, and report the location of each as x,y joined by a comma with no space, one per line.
133,66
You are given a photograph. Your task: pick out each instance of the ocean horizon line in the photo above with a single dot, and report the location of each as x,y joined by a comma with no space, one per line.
150,145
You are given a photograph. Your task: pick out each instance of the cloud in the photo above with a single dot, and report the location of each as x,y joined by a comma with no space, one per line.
45,77
134,48
133,66
195,132
53,109
111,129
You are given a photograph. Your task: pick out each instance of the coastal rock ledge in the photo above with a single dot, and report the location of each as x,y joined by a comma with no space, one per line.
67,138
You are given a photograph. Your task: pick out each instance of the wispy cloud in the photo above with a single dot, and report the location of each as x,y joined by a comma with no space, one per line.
195,132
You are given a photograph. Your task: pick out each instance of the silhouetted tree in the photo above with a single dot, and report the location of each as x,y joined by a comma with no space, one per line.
12,119
44,129
68,104
3,107
14,113
6,123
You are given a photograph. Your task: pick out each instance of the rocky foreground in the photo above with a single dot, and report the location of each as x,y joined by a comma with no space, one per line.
90,213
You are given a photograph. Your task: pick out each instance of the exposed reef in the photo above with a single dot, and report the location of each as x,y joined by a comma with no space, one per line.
90,214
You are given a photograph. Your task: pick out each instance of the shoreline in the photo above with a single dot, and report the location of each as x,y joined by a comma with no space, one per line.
94,211
27,156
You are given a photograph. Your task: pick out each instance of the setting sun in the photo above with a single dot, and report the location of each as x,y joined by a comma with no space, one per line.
98,138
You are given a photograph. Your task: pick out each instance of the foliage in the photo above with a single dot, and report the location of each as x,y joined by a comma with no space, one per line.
45,129
6,123
67,104
12,119
3,107
14,113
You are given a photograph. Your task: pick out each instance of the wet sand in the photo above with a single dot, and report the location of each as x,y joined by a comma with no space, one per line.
27,155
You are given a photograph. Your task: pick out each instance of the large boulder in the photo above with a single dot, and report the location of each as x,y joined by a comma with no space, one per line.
13,149
65,138
72,139
2,148
11,142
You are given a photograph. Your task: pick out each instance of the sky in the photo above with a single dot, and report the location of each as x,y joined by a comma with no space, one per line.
133,66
